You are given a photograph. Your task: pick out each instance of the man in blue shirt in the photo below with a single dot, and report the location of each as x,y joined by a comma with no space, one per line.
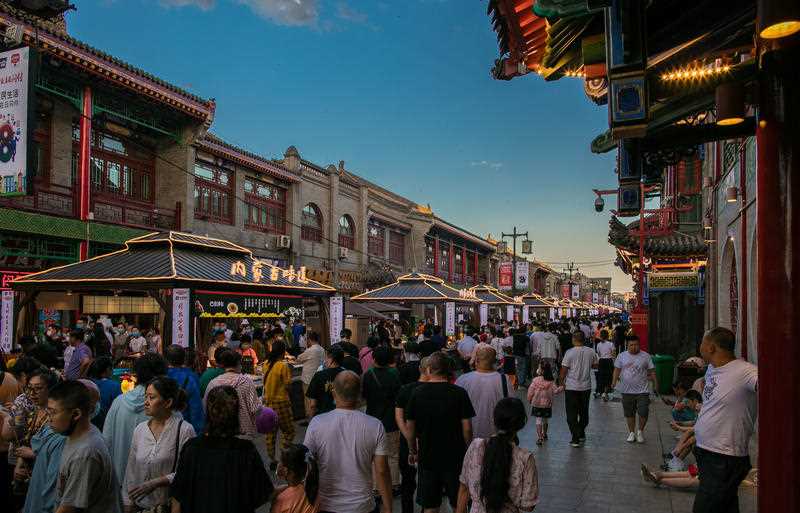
189,382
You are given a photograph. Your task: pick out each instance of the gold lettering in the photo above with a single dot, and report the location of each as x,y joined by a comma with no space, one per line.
256,270
238,268
274,273
301,275
290,274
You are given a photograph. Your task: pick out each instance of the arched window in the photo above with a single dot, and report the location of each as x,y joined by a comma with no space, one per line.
347,232
312,223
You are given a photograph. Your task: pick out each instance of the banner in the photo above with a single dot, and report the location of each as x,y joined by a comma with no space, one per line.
565,290
484,314
506,276
525,314
7,321
522,275
14,119
509,313
230,304
180,317
450,319
576,291
336,318
552,314
595,298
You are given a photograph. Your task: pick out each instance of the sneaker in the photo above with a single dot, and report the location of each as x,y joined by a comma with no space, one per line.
605,397
575,443
631,437
596,395
639,437
648,476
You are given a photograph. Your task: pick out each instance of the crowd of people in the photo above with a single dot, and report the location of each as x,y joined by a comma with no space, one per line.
410,414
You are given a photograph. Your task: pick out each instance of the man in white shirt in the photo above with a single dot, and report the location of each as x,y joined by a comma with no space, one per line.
635,367
725,424
576,376
311,359
485,387
345,443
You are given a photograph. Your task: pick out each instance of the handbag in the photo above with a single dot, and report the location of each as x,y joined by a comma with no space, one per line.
167,508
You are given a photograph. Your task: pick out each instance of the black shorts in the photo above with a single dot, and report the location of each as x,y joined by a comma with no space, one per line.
435,483
544,413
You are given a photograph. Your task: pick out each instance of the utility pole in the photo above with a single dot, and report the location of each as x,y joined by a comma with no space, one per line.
514,236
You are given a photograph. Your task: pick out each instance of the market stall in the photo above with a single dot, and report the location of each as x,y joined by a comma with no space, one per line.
499,305
541,307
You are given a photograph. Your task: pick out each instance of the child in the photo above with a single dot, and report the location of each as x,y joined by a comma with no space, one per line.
681,411
299,468
540,395
509,364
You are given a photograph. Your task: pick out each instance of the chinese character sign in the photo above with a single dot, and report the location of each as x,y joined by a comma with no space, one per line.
506,276
525,314
522,275
509,313
450,319
484,314
337,318
180,317
14,71
7,321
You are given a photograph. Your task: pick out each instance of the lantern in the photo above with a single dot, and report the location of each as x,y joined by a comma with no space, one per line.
778,18
730,104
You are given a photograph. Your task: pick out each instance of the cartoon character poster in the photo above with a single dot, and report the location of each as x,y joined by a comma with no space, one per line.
14,81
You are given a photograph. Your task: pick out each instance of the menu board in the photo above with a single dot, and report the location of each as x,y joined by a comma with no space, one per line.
228,304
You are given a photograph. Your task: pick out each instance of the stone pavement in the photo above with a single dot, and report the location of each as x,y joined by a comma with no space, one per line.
603,476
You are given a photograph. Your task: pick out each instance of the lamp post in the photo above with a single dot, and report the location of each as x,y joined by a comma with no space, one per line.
514,235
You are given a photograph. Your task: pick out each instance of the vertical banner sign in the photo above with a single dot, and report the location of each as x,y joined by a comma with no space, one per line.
180,317
336,318
450,319
509,313
506,276
522,275
14,120
576,291
595,297
7,321
565,290
552,314
484,314
525,314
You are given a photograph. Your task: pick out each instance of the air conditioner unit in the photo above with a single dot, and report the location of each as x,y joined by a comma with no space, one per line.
343,252
284,241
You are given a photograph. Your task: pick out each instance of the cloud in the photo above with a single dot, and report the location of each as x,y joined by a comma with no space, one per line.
486,163
201,4
285,12
347,13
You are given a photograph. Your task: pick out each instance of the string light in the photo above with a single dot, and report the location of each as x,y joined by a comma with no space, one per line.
575,73
694,72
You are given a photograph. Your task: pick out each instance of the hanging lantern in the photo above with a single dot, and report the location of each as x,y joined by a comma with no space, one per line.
732,194
527,247
707,223
730,104
778,18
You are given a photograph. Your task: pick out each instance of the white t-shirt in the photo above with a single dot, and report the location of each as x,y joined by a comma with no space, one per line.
633,372
311,359
549,346
485,389
605,349
345,443
728,415
578,361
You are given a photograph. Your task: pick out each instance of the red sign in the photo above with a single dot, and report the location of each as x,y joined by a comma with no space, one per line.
639,325
6,277
506,275
565,292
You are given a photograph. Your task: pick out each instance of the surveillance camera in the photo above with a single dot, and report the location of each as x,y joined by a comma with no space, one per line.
599,203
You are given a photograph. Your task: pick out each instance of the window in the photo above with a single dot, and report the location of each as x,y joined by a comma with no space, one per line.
375,241
397,248
444,257
347,232
470,263
213,193
266,206
311,228
41,149
429,250
457,261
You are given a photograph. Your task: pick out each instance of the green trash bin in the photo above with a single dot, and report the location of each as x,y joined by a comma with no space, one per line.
665,371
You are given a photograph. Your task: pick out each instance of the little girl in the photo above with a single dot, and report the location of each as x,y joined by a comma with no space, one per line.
509,364
540,395
299,469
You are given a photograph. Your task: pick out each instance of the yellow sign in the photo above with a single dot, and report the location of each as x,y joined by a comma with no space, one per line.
275,273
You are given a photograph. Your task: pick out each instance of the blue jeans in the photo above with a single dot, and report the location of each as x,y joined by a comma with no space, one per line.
522,368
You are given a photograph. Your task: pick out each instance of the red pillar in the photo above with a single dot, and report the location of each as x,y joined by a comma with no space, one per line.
743,307
778,239
84,180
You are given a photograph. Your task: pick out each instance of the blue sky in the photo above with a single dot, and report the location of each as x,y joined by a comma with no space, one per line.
399,90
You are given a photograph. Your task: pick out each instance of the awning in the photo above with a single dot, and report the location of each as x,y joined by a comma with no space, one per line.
537,301
52,226
491,296
415,288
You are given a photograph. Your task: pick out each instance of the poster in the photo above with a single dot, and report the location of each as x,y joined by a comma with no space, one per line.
181,316
595,297
509,313
484,314
450,319
522,275
565,290
14,119
506,276
576,291
229,304
7,321
337,318
525,314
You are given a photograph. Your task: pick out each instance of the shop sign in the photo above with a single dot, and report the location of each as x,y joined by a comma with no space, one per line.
7,321
467,294
224,304
450,318
180,317
525,314
673,281
522,275
260,269
14,121
484,314
505,277
336,318
576,291
6,277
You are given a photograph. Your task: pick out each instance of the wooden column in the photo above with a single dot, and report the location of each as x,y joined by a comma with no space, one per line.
778,239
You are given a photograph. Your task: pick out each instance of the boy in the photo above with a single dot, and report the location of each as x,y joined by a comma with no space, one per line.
86,479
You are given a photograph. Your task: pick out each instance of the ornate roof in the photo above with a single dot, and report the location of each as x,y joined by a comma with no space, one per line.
214,145
675,244
491,296
415,288
47,38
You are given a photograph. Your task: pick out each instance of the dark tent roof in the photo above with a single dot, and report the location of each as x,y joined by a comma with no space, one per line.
491,296
174,259
537,301
415,288
676,244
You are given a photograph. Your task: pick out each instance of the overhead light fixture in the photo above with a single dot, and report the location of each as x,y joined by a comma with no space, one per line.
732,194
730,104
778,18
69,292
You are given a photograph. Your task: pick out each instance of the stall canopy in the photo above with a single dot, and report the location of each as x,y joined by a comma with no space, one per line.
491,296
173,259
416,288
536,301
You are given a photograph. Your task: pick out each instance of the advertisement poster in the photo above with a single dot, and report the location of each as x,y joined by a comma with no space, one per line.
522,275
265,306
181,316
484,314
576,291
565,290
595,297
14,79
337,318
450,319
525,314
7,321
506,276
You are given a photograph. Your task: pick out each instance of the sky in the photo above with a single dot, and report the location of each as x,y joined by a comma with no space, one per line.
399,90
